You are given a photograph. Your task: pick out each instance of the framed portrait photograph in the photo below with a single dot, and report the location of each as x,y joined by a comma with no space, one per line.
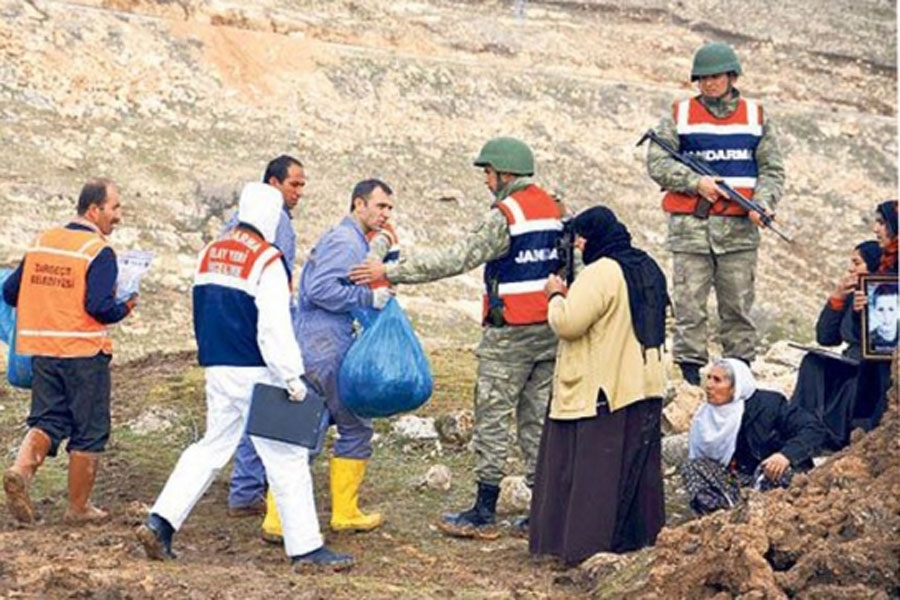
880,316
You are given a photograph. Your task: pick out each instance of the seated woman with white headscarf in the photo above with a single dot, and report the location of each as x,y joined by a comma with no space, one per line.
745,437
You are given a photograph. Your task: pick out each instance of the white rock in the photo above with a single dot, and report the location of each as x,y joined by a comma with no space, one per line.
152,421
679,412
438,478
674,450
413,427
515,496
455,428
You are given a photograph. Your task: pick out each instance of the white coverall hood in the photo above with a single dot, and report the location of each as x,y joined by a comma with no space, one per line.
260,206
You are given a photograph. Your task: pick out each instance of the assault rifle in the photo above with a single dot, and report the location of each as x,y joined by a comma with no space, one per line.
698,165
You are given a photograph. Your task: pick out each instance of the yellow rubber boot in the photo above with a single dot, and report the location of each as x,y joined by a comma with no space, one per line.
346,477
271,527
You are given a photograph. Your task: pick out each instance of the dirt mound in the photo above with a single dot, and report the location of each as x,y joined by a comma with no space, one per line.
832,534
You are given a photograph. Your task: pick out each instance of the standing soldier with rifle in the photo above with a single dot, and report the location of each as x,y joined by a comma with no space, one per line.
517,244
714,239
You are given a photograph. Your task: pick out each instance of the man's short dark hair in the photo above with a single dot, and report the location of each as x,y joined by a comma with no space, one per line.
278,168
885,289
364,190
93,192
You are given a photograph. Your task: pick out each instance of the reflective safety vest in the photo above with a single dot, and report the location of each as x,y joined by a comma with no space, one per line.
728,145
224,294
514,283
392,256
51,318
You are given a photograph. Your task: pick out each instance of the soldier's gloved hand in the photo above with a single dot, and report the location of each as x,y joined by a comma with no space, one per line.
296,390
381,296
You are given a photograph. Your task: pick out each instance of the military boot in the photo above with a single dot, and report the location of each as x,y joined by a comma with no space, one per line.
690,372
17,479
82,474
520,527
478,521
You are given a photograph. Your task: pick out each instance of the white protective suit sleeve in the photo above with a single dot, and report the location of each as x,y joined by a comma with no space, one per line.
274,331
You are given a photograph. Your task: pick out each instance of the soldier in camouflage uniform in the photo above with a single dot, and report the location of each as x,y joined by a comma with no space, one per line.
517,243
713,241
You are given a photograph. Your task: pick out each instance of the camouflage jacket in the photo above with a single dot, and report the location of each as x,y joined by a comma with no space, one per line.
379,246
487,241
717,234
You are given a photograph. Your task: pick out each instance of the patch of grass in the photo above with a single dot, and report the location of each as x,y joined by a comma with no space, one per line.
454,372
623,582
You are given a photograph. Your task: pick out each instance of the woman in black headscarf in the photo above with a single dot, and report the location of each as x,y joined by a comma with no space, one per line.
875,375
827,386
885,230
598,485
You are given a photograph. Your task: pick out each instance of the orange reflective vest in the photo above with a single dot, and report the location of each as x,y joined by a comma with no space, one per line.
514,283
52,319
728,145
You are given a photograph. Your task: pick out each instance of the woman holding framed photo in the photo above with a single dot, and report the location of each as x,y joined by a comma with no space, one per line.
827,383
875,370
850,391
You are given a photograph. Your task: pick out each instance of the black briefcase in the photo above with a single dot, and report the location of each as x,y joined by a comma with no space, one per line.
274,416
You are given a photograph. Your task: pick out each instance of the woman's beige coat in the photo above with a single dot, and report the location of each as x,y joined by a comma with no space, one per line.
597,347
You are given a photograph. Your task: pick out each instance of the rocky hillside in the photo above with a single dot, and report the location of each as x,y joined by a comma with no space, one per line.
182,100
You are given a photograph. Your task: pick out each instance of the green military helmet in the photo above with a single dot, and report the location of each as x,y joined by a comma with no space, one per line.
507,155
715,58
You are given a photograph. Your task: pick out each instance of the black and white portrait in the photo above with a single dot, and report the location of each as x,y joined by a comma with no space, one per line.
881,317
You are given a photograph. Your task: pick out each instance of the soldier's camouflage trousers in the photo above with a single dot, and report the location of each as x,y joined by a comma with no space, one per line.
504,389
733,276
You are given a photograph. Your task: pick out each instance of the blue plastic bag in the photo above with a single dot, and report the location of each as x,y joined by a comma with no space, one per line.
7,312
18,369
385,372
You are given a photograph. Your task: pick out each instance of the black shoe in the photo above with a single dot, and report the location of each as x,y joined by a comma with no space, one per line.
478,521
321,558
690,372
254,509
520,527
156,537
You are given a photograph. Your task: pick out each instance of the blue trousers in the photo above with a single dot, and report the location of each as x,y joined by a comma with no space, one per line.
323,362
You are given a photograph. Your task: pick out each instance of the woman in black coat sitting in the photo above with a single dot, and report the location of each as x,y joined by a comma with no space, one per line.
828,386
744,436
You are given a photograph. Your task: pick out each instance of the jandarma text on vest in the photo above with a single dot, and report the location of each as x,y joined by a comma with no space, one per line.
536,255
722,154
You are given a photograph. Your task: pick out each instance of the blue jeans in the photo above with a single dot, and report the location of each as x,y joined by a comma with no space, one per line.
248,479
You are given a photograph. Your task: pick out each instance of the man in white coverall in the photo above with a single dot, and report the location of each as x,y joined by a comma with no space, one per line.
242,323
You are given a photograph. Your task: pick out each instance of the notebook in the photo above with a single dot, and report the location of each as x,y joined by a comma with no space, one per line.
826,353
274,416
